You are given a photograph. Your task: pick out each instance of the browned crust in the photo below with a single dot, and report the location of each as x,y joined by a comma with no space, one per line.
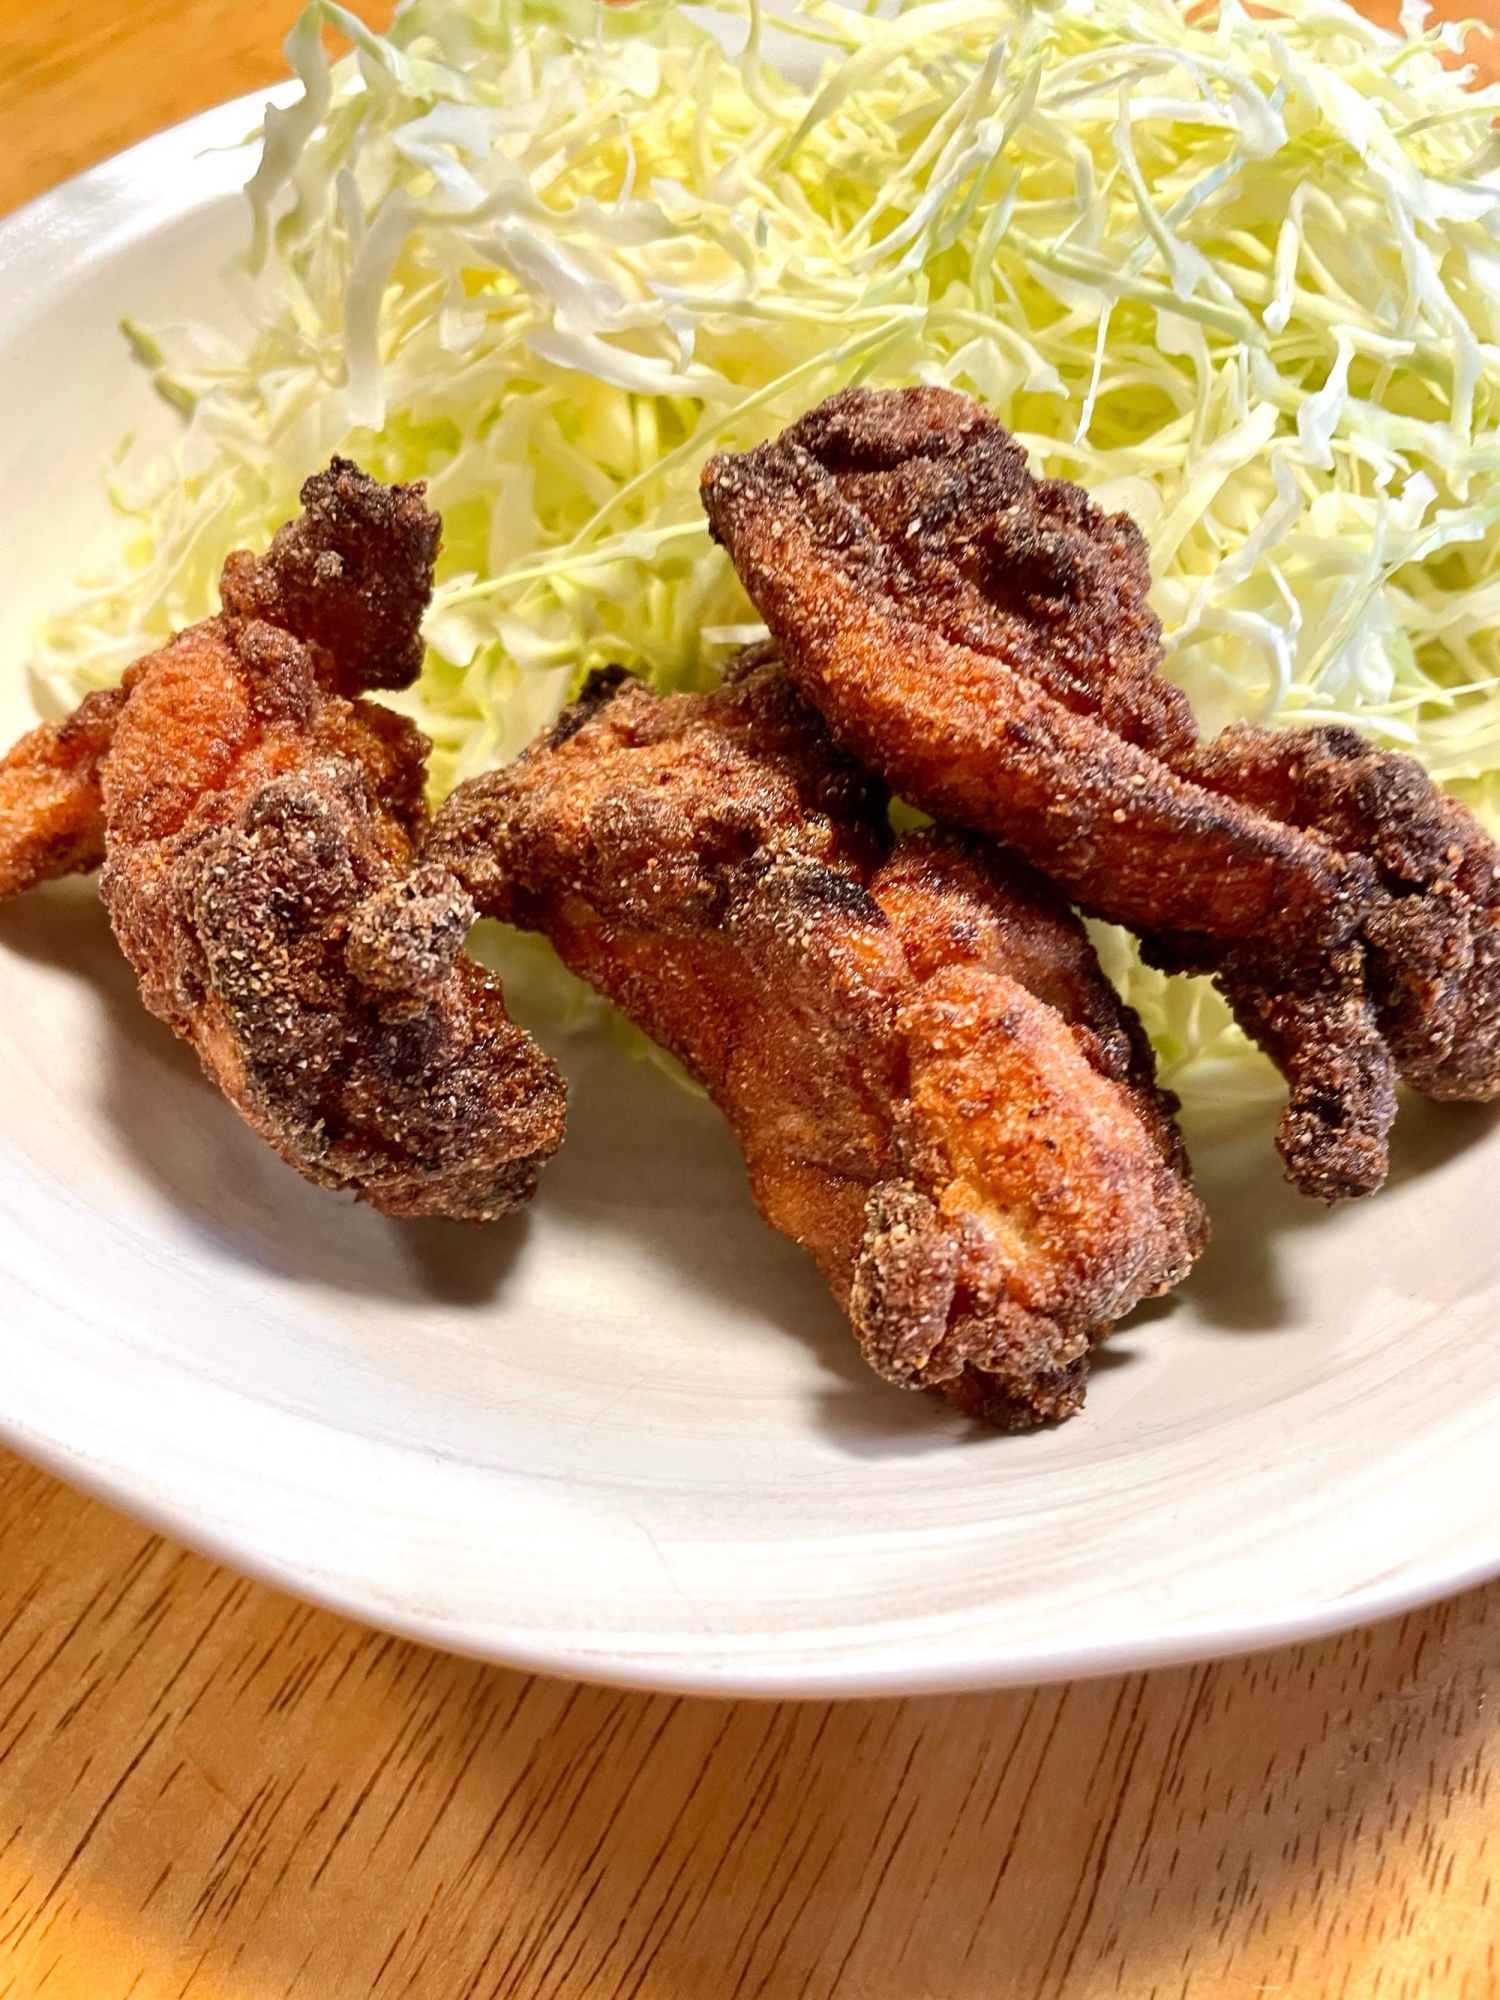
256,819
1433,935
351,574
983,640
51,813
987,1177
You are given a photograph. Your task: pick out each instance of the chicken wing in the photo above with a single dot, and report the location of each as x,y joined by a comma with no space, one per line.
936,1091
256,822
983,640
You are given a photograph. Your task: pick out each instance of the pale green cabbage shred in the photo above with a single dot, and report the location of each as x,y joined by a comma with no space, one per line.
1240,277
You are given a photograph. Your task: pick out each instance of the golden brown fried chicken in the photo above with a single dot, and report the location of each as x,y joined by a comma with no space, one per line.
256,822
51,811
983,640
935,1090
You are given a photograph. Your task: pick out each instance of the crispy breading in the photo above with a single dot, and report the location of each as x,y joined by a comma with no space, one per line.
1433,936
256,822
983,640
351,575
51,814
936,1091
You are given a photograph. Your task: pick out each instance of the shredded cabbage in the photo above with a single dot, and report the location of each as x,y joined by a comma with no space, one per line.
1240,277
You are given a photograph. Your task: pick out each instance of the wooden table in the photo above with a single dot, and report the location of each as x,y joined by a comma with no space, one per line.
209,1790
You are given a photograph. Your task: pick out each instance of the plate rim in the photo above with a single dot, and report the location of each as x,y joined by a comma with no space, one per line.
1035,1666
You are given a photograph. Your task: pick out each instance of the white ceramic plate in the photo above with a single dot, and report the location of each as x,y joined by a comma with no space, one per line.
626,1435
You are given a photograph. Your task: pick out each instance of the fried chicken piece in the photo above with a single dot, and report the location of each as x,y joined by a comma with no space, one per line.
1432,938
256,822
1061,596
936,1091
51,814
983,640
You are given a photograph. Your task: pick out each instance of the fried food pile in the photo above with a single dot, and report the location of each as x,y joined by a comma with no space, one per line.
982,640
257,825
935,1089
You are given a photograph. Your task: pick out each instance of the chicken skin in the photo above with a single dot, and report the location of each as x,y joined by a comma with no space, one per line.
935,1090
983,640
256,822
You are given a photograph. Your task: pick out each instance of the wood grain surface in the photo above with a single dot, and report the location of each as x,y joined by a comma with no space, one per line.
209,1790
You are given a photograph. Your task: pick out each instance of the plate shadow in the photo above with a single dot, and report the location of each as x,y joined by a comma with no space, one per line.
1235,1286
190,1145
645,1163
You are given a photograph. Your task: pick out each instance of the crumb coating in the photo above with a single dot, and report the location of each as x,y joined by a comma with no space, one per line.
256,821
936,1091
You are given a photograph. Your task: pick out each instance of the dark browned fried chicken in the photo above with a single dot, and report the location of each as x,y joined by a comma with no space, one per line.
936,1091
1432,938
256,822
983,640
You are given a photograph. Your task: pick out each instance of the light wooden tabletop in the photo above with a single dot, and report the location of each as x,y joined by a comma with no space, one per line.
209,1790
